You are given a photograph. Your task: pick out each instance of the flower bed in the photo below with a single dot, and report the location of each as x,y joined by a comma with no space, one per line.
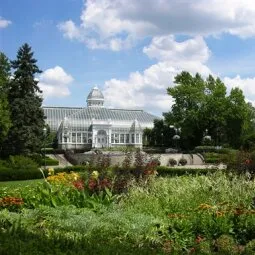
78,214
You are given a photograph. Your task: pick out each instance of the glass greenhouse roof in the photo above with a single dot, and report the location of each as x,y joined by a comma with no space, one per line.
54,115
83,116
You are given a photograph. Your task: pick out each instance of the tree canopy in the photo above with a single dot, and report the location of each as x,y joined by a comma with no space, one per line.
201,104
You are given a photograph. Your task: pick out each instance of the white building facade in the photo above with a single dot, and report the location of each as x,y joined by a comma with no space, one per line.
96,126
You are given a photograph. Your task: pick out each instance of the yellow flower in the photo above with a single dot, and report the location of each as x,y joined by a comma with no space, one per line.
219,214
204,206
50,171
63,178
95,175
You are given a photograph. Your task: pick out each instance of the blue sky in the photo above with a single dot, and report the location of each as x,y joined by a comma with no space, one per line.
131,49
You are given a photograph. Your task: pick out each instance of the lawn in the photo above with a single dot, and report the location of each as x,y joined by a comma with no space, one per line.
15,184
210,214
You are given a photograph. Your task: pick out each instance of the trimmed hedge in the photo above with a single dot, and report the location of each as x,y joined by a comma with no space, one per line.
204,149
50,162
162,170
69,169
212,160
178,171
19,168
39,159
52,151
25,169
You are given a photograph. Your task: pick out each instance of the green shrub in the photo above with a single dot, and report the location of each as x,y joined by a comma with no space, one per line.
39,159
172,162
50,162
205,149
8,174
201,149
250,248
225,244
212,160
183,161
19,168
178,171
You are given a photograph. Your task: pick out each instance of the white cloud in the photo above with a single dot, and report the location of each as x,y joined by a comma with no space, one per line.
165,48
247,85
119,24
148,89
43,23
54,82
4,23
113,24
69,29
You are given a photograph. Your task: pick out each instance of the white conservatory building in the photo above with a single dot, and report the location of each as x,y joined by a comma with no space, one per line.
96,126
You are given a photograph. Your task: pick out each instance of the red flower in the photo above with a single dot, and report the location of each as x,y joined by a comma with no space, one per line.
92,184
105,183
247,162
79,184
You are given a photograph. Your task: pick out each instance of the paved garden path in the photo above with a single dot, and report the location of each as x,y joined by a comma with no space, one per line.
61,158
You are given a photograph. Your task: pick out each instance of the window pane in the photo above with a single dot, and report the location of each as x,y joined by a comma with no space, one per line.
73,137
116,138
78,137
122,138
137,138
127,138
85,138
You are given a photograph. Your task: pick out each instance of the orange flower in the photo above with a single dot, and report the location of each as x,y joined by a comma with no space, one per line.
238,211
219,214
9,201
204,206
192,250
176,215
199,239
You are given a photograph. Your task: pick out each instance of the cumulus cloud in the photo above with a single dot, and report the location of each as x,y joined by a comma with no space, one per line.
54,82
147,89
117,24
4,22
165,48
70,30
245,84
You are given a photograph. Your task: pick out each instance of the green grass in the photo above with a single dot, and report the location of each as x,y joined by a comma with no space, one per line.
19,184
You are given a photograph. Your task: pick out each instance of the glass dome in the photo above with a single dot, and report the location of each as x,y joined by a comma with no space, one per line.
95,98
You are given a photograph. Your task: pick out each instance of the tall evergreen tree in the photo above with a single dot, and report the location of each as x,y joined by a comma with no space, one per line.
5,120
27,116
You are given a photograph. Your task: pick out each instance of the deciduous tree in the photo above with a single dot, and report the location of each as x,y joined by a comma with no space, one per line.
201,104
